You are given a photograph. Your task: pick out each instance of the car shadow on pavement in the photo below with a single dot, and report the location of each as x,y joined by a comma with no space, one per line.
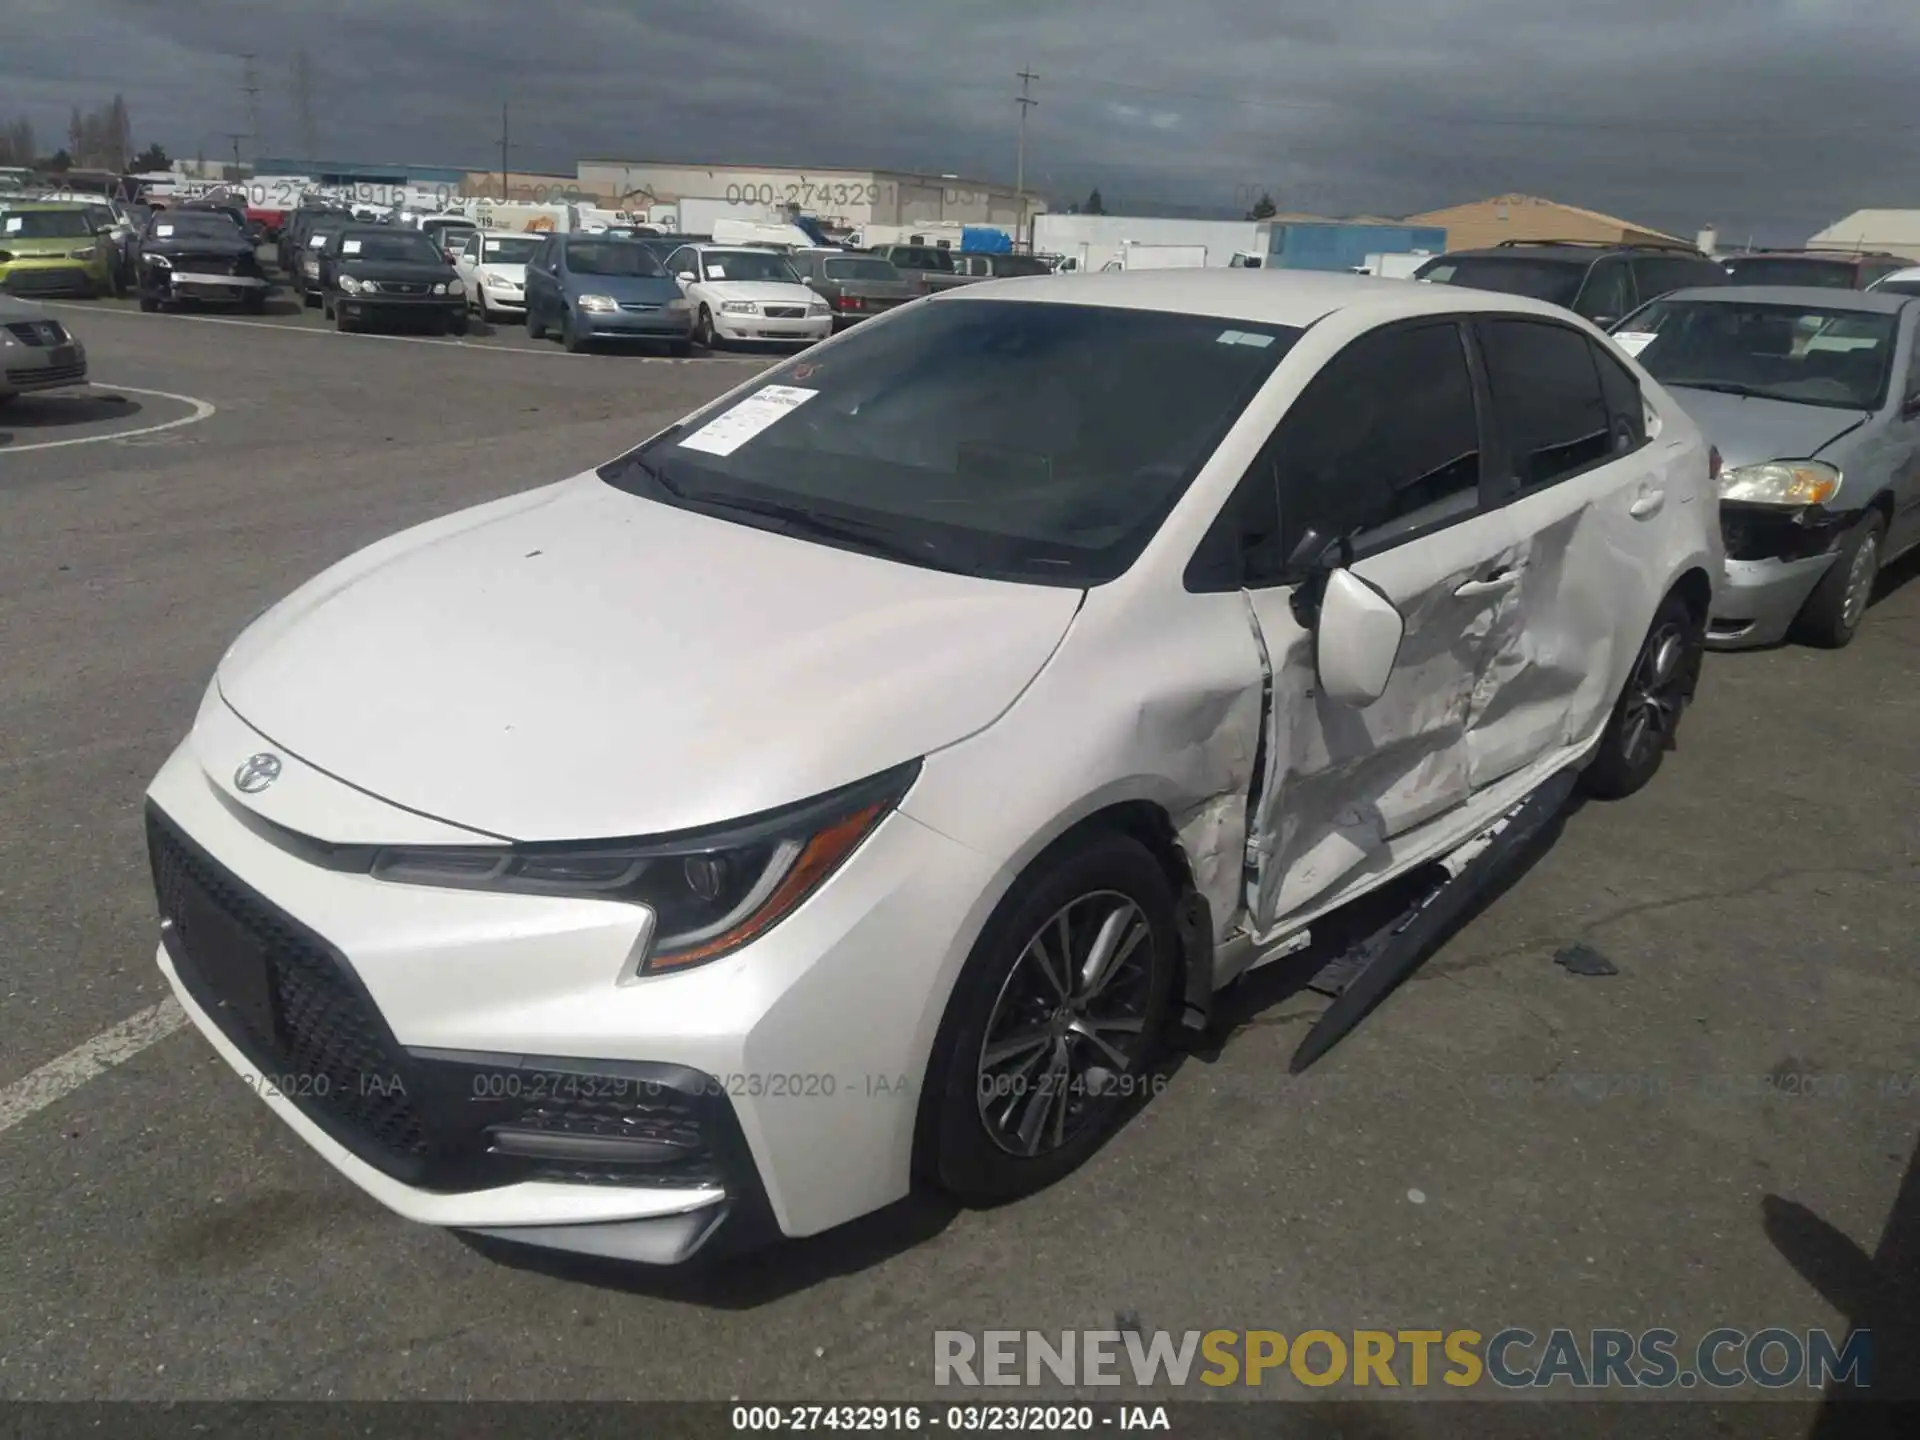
749,1280
1878,1293
32,417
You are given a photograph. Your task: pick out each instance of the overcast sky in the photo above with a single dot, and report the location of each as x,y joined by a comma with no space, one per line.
1765,116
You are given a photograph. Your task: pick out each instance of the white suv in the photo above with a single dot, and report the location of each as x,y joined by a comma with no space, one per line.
858,780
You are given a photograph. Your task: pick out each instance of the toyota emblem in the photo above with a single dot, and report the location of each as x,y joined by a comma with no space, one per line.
257,773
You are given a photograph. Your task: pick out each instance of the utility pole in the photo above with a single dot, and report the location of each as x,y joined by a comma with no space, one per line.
1026,102
250,87
504,147
303,104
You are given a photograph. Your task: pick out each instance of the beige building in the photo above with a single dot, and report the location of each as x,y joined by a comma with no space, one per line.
1895,231
526,189
1482,223
835,197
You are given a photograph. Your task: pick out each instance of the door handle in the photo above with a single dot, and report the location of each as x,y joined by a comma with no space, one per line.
1489,584
1648,505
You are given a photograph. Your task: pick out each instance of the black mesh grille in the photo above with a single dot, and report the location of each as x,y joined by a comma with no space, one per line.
46,374
50,281
315,1038
38,332
786,312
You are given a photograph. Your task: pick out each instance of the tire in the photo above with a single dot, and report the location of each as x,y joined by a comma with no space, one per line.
344,323
326,308
1646,718
983,1137
309,299
570,335
254,304
703,330
680,349
1833,612
535,330
457,324
149,305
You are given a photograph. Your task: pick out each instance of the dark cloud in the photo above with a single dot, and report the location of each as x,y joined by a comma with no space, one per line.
1770,116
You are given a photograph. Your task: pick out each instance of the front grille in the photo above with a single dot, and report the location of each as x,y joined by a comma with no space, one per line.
393,287
784,312
46,374
313,1035
210,264
434,1119
1763,533
38,332
638,307
48,281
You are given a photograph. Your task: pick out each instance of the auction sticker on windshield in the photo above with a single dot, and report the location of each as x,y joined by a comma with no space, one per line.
747,419
1634,341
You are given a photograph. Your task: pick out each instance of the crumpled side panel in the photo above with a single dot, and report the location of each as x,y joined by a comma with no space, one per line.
1340,783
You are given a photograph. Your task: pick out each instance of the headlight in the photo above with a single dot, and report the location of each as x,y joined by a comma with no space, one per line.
710,891
1781,482
440,289
85,252
739,307
680,305
819,307
159,262
350,284
599,303
310,265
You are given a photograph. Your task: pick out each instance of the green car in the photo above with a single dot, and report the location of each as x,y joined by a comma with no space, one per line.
50,249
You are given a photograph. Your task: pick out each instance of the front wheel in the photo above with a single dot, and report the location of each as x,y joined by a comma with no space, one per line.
149,304
344,323
1054,1023
1833,612
703,329
1646,718
570,335
535,330
457,324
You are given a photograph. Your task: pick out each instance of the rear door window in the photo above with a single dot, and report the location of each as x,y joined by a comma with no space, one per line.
1553,415
1626,408
1608,292
1657,275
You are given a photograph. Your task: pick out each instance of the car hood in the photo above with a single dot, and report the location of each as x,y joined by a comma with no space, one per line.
579,663
198,245
654,289
37,247
510,274
766,292
1750,432
425,271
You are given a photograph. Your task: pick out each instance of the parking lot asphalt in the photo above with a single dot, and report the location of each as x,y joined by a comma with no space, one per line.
1502,1143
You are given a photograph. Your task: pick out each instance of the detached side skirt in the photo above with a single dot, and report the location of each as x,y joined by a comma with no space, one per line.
1362,974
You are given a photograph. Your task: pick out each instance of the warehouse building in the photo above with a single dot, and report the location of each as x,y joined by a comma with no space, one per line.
1482,223
837,197
1897,231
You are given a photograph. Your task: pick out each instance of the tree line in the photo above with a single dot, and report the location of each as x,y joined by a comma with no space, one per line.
97,139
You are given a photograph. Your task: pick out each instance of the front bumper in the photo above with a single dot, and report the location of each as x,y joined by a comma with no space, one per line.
801,331
649,324
203,285
505,301
1774,560
43,368
373,307
55,277
792,1068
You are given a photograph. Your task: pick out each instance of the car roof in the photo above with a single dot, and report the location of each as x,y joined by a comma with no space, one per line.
704,246
43,206
515,234
1570,252
1814,297
1274,297
1907,276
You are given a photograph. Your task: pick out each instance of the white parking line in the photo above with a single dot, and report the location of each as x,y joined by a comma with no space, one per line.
402,339
33,1093
201,410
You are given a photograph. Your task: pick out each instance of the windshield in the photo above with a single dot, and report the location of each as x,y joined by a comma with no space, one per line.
1897,287
922,257
1037,442
1836,358
44,224
512,251
201,225
404,245
612,257
749,265
1786,270
446,230
1555,281
861,270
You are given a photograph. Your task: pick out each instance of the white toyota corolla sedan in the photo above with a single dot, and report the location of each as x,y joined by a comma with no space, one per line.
851,785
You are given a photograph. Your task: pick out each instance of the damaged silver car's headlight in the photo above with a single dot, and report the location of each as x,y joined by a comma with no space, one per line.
1781,482
711,891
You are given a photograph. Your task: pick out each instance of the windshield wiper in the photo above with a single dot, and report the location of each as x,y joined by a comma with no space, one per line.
1726,387
798,520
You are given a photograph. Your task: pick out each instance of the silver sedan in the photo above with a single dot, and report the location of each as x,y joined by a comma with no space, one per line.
36,352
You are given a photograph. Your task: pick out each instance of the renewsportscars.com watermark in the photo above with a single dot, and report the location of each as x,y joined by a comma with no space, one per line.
1512,1358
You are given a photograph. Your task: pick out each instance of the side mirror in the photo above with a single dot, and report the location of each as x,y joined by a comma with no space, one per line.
1910,407
1356,640
1605,322
686,277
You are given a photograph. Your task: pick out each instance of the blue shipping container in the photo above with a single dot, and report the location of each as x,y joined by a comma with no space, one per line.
1296,246
985,240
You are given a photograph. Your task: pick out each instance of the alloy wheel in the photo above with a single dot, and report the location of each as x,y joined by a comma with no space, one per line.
1655,694
1860,577
1068,1024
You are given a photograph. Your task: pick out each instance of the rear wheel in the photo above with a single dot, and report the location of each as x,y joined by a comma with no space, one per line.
1646,718
1833,612
1054,1022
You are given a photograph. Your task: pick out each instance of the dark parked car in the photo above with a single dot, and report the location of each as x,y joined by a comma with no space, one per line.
305,272
1828,269
929,264
198,255
293,235
387,274
855,285
1599,280
590,288
1000,266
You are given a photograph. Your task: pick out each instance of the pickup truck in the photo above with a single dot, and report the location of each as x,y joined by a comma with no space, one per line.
929,265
